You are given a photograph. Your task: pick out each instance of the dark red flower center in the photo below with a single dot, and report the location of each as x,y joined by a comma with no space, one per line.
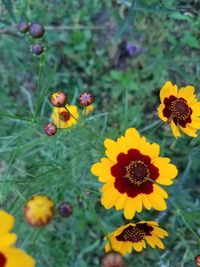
135,233
2,260
137,172
133,172
64,116
178,110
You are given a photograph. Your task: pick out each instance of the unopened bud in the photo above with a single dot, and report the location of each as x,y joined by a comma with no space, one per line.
86,99
113,259
36,30
65,209
23,26
50,129
58,99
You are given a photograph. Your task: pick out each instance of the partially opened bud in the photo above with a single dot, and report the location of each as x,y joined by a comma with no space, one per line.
58,99
86,99
65,209
197,260
50,129
23,26
113,259
39,210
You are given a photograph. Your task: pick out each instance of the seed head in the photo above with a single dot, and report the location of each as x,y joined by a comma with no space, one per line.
65,209
86,99
50,129
23,26
36,30
113,259
58,99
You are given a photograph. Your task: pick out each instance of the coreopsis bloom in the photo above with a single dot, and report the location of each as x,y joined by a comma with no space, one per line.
11,256
39,210
64,118
135,236
88,110
180,108
131,172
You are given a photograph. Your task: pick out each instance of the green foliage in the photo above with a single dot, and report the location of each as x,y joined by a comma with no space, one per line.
126,95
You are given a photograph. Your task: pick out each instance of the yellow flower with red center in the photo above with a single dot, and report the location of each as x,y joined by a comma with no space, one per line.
11,256
135,236
180,108
65,117
131,172
39,210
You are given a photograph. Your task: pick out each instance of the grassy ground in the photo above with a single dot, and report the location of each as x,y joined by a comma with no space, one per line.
126,89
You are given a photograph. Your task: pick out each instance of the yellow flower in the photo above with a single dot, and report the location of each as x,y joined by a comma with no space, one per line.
64,119
89,109
180,108
39,210
11,256
134,236
131,172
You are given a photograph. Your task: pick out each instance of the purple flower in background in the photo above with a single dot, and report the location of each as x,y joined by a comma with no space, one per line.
132,49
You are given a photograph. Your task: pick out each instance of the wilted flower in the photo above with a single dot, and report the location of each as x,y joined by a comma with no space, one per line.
39,210
58,99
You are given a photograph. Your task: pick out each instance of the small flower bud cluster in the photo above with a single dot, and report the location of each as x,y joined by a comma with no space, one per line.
36,31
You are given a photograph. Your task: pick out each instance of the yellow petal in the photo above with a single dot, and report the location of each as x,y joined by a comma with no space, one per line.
109,198
152,150
121,202
7,222
112,149
158,190
159,232
126,247
150,241
7,240
157,202
138,246
167,90
132,205
195,109
189,131
103,170
157,242
160,112
167,171
195,123
175,129
18,258
187,93
133,139
146,202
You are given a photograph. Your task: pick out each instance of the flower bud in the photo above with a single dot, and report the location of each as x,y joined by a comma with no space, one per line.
36,30
23,26
86,99
113,259
39,210
58,99
50,129
65,209
197,260
37,49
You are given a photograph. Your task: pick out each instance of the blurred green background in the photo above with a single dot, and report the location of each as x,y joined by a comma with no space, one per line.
122,51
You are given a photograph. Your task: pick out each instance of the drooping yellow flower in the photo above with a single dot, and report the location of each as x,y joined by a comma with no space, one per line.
39,210
180,108
65,117
88,110
11,256
131,172
135,236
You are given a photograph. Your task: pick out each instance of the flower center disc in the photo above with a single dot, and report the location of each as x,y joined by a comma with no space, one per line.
137,172
64,116
132,234
2,260
180,109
